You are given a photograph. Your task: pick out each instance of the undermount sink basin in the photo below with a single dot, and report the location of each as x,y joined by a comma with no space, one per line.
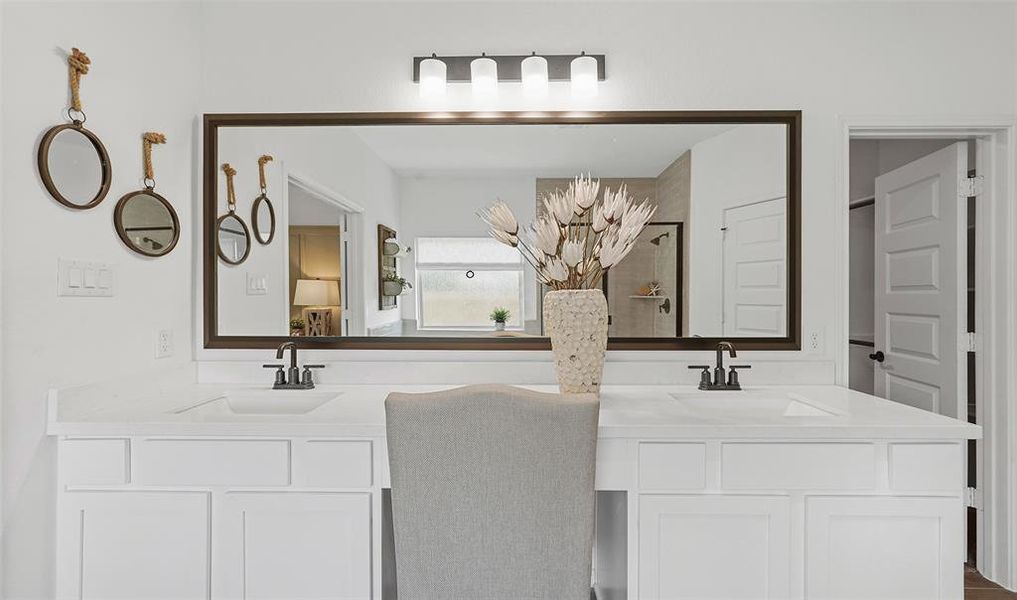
275,402
750,404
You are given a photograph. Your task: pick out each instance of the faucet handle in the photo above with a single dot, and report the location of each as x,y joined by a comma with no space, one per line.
732,377
305,377
704,377
280,373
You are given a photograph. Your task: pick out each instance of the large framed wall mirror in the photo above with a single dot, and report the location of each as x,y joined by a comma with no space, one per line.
720,260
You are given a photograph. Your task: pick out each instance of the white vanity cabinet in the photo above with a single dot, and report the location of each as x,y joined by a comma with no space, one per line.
231,518
789,519
864,500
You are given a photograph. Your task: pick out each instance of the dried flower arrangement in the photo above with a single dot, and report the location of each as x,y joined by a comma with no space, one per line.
579,237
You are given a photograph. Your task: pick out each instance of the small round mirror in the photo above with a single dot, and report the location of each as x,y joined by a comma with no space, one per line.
74,166
263,220
233,240
146,223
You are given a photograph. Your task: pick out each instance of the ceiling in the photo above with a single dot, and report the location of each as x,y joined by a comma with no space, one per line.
607,150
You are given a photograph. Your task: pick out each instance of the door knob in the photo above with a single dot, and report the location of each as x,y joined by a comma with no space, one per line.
878,356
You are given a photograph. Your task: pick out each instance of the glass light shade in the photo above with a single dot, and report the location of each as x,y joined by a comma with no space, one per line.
316,292
534,75
484,76
584,76
433,77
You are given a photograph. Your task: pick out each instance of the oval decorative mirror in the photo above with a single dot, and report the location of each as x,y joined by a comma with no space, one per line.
144,220
232,239
263,213
73,163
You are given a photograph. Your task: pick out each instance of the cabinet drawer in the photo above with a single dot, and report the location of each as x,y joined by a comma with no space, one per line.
667,466
214,462
95,461
337,464
930,467
797,466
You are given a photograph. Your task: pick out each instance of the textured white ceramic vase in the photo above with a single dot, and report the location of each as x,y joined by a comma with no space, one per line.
576,322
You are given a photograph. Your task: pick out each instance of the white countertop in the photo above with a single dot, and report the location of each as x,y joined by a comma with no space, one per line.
628,411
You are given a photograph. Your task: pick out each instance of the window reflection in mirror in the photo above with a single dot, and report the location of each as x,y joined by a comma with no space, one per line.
713,262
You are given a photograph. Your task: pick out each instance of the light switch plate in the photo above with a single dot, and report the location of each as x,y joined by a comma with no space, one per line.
85,278
257,285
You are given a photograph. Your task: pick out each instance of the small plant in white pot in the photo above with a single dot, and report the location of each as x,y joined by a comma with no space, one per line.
394,285
500,316
581,235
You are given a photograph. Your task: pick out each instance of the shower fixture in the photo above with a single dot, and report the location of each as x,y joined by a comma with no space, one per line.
656,241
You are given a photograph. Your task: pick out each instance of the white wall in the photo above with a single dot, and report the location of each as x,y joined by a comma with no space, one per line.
334,158
745,165
828,59
144,60
459,199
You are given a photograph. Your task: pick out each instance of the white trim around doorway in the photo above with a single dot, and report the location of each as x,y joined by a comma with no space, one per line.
995,309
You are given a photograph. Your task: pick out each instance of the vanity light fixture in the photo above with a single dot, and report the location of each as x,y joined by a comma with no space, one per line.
533,71
433,76
484,76
484,72
583,74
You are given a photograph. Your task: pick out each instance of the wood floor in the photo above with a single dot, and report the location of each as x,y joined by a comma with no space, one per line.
977,587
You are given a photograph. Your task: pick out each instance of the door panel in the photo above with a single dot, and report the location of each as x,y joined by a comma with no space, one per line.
883,548
920,291
755,270
702,547
134,546
280,546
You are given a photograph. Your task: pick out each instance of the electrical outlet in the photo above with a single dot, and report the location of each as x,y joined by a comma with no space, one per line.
814,342
164,343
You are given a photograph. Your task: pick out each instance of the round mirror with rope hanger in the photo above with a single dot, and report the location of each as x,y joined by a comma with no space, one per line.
73,162
233,239
263,213
144,220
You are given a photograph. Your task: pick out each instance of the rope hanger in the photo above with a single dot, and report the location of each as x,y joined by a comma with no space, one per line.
231,197
77,63
262,160
147,140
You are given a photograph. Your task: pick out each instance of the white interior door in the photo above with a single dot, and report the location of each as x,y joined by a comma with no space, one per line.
920,274
755,269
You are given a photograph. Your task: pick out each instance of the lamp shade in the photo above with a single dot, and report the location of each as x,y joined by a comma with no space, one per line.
584,76
316,292
433,77
484,76
534,75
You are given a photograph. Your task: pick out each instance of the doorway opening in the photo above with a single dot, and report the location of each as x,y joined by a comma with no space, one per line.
325,295
913,235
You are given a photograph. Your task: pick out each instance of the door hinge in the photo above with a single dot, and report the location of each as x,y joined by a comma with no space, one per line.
969,343
971,186
973,498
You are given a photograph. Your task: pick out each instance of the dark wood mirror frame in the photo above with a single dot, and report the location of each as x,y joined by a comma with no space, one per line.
212,123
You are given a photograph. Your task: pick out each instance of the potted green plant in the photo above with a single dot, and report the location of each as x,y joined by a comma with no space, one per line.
500,316
297,326
394,285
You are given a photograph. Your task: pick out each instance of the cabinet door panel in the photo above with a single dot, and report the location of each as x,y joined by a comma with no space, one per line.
295,545
134,546
707,547
884,548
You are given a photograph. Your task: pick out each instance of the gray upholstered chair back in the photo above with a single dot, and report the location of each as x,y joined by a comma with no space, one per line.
492,493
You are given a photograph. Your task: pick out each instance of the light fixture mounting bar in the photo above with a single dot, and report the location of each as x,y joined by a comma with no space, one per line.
509,66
